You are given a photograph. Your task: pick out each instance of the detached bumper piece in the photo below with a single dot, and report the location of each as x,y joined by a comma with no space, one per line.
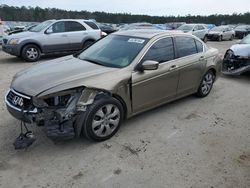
59,132
235,66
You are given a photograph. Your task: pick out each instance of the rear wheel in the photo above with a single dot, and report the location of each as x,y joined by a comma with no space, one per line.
206,84
31,53
232,37
103,119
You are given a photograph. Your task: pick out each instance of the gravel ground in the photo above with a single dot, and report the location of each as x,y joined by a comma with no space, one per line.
198,143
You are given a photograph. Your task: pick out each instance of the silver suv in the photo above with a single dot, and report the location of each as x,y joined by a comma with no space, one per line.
52,36
198,30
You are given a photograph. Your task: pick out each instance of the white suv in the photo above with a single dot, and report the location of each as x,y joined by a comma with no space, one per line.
198,30
52,36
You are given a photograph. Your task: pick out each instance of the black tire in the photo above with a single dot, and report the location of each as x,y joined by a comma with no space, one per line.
208,85
205,39
91,115
220,38
31,53
87,43
232,37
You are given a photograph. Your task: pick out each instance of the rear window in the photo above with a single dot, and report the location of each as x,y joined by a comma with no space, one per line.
92,25
185,46
199,46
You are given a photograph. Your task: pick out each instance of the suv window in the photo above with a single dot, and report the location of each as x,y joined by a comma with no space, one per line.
200,27
199,46
160,51
92,25
195,28
185,46
74,26
58,27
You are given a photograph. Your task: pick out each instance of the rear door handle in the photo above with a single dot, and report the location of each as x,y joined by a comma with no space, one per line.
173,67
64,35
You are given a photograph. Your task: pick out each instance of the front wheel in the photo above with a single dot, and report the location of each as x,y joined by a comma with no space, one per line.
103,119
206,84
31,53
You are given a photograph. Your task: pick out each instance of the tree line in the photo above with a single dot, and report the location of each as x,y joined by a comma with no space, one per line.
37,14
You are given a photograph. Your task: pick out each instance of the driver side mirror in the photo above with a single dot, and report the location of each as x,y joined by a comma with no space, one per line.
149,65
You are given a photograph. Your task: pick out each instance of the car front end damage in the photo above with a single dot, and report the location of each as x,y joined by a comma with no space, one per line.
235,64
57,112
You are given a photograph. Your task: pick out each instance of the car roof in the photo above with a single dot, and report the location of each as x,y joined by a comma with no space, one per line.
144,33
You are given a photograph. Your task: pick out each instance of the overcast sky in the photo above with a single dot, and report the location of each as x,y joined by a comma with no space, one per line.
150,7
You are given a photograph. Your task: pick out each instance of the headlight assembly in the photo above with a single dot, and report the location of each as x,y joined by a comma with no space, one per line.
13,41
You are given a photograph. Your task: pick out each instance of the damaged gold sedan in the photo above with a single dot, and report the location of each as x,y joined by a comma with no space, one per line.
121,75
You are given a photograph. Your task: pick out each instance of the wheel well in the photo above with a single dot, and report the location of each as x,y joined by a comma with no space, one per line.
117,97
213,70
31,44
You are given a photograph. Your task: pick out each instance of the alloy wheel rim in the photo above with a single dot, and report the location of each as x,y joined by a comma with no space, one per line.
207,84
106,120
32,53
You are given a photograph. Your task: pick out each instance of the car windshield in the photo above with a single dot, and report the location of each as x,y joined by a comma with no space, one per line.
114,51
186,27
218,29
241,27
246,40
41,26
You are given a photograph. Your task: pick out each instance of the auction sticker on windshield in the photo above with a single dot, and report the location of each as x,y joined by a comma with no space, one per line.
136,40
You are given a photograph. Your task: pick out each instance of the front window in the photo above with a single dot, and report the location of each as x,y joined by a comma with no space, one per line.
114,51
41,26
161,51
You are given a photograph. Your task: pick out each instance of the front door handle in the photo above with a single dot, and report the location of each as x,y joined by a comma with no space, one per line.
173,67
202,58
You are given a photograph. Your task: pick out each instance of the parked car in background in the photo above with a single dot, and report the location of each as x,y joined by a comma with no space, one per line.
134,26
27,28
198,30
221,33
210,26
52,36
107,28
174,25
237,58
241,31
119,76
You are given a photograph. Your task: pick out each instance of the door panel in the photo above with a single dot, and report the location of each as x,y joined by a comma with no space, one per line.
57,39
151,88
191,69
76,33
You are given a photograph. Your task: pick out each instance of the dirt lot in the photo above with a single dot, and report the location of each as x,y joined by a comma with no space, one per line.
198,143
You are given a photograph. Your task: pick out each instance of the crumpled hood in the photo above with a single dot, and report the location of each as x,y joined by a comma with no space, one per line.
64,73
20,35
241,50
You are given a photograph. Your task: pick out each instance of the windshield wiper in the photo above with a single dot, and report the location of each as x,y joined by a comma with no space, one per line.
92,61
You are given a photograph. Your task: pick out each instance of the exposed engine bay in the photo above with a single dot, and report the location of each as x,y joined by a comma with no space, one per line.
56,112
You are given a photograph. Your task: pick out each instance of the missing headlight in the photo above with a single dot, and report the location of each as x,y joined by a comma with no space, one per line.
58,101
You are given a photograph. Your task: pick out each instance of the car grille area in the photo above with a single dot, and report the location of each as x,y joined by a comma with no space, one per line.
18,100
